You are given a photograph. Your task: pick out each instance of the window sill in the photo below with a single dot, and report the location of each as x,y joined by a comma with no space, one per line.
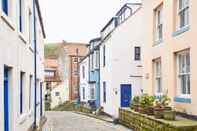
31,49
158,42
30,113
183,99
22,118
180,31
8,21
22,37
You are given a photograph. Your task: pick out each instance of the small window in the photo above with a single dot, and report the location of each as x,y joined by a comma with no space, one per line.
83,71
30,90
104,92
57,93
96,53
91,62
157,76
83,93
92,93
183,13
22,92
21,16
159,23
75,59
104,57
183,73
137,53
5,6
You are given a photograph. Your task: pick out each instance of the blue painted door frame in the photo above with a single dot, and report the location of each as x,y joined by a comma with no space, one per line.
6,99
41,110
126,93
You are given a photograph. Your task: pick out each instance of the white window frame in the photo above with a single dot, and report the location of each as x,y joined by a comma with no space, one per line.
92,93
159,23
91,62
96,59
183,69
158,77
184,9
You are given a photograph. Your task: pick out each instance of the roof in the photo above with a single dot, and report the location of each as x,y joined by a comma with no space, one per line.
40,18
111,20
115,17
95,39
50,63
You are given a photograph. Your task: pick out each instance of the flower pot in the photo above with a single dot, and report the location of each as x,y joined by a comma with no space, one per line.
142,109
149,110
136,107
169,114
158,113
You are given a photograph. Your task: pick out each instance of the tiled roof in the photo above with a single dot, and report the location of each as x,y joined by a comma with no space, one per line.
50,63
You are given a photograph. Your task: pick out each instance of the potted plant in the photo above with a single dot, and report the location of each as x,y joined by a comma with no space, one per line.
149,109
135,103
158,110
168,113
146,104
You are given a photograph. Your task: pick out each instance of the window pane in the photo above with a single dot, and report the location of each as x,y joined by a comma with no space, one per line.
188,85
181,4
183,84
188,62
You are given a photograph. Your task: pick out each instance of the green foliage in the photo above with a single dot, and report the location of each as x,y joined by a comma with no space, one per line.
51,51
146,100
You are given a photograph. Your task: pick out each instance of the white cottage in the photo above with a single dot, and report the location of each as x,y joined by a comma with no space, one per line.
21,65
120,57
84,80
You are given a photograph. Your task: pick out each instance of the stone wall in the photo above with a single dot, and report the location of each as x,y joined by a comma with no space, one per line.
141,122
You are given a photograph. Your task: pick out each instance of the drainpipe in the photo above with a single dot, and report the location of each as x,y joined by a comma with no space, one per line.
35,64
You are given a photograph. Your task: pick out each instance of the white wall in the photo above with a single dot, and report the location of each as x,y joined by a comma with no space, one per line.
57,100
84,81
16,52
121,68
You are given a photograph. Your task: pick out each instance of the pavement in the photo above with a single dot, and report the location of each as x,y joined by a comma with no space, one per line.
70,121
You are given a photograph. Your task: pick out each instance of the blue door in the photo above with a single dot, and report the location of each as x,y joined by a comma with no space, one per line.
6,100
41,99
125,95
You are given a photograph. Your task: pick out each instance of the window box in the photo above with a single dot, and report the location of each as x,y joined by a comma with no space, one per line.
180,31
182,100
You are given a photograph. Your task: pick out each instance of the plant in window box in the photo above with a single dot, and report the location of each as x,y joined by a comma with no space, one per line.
146,104
168,113
135,103
158,110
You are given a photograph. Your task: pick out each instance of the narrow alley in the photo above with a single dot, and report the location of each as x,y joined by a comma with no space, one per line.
69,121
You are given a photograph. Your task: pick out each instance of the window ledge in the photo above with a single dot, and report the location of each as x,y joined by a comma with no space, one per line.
158,42
31,49
180,31
22,37
30,113
22,118
182,100
8,21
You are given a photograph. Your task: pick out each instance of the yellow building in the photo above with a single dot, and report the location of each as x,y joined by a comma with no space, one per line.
170,51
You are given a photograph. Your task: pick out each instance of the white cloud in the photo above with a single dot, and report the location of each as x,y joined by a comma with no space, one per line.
77,20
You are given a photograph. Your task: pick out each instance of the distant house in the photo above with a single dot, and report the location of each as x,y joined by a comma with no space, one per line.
90,74
84,80
120,59
74,52
94,70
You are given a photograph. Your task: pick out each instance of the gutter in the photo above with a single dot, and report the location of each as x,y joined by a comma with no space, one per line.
35,64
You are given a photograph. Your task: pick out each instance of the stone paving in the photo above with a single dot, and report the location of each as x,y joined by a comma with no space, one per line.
69,121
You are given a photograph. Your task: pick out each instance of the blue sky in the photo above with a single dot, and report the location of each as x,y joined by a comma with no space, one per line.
77,20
